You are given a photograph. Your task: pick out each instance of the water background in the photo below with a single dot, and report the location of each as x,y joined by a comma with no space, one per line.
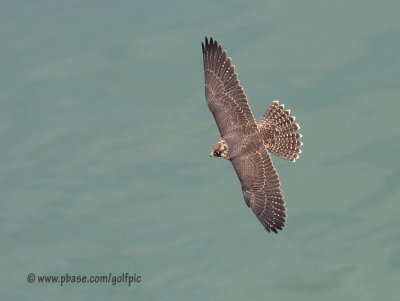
105,136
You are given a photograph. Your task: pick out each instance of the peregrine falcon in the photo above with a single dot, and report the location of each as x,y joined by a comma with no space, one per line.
245,143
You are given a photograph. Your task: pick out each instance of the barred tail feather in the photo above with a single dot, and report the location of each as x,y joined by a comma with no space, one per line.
286,146
285,141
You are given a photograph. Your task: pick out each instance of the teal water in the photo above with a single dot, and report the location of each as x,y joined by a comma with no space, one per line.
105,136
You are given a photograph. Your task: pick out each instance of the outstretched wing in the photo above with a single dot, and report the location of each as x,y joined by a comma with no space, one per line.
225,97
260,186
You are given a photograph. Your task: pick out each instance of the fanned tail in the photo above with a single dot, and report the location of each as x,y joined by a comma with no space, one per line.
284,140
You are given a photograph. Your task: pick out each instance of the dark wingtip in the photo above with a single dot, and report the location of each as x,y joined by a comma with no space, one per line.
209,43
205,45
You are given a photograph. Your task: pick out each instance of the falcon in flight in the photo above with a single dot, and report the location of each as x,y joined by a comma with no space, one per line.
246,143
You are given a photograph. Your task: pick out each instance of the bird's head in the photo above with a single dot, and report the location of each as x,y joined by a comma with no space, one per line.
220,150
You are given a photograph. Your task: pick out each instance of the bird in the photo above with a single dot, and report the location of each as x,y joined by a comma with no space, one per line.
247,144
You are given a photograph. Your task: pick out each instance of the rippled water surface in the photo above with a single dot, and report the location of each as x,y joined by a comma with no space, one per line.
105,136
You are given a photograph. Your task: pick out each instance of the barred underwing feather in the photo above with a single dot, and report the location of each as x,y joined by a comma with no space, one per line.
225,97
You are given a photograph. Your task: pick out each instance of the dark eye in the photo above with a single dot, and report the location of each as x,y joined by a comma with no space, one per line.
216,154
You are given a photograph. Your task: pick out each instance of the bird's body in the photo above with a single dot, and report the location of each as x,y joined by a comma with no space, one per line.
246,143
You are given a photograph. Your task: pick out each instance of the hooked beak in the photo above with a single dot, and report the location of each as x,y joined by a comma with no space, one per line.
212,155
